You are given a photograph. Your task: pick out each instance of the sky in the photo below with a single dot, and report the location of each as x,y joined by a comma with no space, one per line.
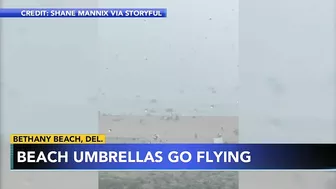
57,74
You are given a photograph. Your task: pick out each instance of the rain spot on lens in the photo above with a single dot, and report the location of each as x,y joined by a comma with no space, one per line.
169,110
153,101
275,122
275,86
236,132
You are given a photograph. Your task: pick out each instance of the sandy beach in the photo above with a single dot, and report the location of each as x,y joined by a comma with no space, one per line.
169,129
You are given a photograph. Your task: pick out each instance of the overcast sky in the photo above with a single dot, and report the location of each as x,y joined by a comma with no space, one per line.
59,73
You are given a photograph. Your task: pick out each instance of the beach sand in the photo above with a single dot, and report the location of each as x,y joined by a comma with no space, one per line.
155,129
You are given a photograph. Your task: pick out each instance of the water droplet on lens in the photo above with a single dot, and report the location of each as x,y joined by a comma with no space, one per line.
156,136
153,101
169,110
